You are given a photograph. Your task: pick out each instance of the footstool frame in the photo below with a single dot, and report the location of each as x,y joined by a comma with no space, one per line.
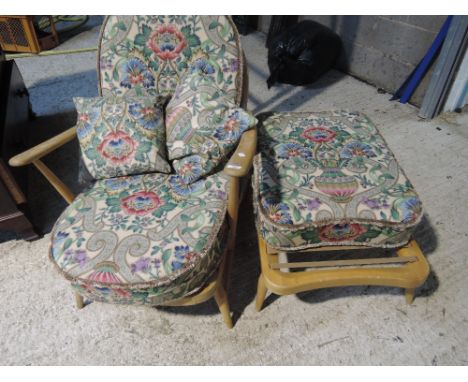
411,271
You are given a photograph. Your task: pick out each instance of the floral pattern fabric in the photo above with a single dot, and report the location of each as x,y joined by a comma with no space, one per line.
121,136
329,178
142,239
148,54
203,124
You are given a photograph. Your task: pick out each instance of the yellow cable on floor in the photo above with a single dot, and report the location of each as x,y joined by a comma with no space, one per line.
44,23
49,53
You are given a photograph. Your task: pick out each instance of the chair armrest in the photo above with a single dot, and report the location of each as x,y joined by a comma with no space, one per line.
241,161
42,149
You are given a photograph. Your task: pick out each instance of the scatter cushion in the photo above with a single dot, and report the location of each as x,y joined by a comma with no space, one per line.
122,136
329,178
149,54
142,239
203,125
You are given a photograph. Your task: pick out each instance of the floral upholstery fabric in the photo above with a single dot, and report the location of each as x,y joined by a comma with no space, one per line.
148,54
203,124
142,239
121,136
329,178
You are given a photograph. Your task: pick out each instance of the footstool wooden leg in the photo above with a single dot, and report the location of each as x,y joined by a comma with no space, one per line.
409,295
261,293
79,300
223,304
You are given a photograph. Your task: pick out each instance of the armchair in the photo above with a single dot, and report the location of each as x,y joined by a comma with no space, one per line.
146,55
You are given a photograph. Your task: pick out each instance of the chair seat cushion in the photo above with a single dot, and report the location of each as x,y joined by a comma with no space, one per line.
142,239
329,178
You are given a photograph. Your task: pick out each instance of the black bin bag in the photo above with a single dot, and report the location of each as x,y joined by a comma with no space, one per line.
302,53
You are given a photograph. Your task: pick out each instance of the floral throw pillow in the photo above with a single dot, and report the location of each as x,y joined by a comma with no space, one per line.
121,136
203,123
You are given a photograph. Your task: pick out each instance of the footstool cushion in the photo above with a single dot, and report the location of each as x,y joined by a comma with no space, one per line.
143,239
329,178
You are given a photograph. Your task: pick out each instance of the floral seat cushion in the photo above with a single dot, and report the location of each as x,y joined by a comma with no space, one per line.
329,178
142,239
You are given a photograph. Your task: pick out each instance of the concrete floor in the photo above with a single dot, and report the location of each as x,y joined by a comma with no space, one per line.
356,326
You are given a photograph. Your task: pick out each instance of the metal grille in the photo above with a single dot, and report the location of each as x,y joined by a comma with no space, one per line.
5,35
18,32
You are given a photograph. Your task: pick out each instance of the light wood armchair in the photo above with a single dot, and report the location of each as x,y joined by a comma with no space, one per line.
223,34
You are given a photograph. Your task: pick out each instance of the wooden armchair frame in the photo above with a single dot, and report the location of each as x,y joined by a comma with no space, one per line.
238,166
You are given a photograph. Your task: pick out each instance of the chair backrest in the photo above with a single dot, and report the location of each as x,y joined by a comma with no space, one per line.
148,54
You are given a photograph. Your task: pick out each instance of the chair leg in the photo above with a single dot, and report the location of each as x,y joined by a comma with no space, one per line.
79,300
409,295
223,305
261,293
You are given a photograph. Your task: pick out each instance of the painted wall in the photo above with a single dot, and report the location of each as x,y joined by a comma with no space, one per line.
381,50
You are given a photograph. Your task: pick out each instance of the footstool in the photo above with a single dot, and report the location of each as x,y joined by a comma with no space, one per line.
328,181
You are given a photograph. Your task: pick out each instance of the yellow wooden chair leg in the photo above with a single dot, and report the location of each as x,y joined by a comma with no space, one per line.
409,295
261,293
79,300
223,305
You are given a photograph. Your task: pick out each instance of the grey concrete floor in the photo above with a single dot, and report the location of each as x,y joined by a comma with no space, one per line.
358,325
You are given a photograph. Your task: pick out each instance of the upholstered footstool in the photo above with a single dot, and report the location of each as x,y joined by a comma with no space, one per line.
328,181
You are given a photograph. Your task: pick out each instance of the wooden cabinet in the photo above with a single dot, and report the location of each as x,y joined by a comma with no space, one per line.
15,113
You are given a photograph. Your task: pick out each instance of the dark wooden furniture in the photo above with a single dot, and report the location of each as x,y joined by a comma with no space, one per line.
15,113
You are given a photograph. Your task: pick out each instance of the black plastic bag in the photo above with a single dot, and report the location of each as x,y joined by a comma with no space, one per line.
302,53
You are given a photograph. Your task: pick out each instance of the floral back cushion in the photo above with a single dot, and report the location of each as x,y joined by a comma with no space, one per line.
203,124
121,136
149,54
